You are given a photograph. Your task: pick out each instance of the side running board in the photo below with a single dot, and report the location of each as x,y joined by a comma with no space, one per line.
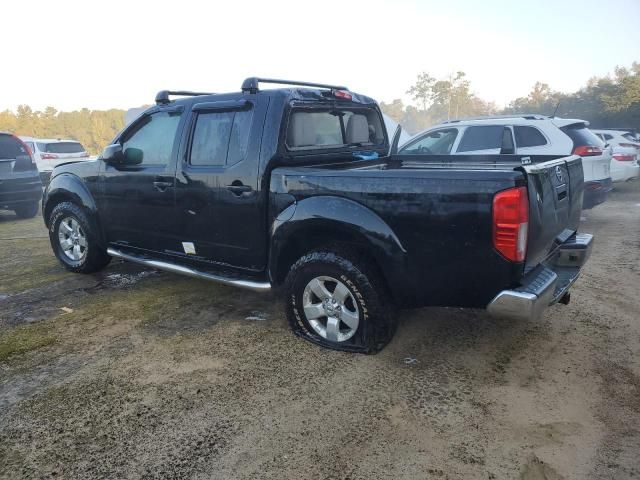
192,272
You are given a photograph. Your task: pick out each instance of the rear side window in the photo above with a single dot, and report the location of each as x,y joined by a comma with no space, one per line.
528,137
310,129
481,138
582,136
63,147
10,148
220,138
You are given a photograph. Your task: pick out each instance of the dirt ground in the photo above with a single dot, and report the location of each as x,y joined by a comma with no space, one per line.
133,373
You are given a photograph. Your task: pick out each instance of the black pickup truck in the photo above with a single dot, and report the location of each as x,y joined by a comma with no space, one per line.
299,189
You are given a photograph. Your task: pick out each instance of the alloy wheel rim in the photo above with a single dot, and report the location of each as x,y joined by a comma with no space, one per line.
331,309
72,239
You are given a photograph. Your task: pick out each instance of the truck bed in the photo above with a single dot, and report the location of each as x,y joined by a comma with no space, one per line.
441,214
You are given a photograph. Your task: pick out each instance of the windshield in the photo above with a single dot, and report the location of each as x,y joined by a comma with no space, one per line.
313,129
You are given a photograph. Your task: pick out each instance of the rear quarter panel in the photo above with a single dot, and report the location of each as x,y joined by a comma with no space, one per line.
443,220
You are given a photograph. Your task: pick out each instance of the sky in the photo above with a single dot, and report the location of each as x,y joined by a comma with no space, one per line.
98,54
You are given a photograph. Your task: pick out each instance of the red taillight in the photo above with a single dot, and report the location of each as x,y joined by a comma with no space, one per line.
342,94
632,145
623,157
511,223
84,154
587,151
25,147
48,156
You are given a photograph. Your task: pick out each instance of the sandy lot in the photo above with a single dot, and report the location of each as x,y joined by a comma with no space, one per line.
134,373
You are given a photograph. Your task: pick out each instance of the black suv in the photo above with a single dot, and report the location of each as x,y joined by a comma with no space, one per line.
20,186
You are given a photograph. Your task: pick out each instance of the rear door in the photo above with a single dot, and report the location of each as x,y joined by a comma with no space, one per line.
220,207
555,190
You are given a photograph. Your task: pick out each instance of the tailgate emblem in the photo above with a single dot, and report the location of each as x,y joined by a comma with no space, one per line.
559,174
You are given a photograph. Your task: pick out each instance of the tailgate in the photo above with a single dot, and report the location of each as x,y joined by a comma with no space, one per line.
555,201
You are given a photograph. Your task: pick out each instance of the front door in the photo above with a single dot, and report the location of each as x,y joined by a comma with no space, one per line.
219,202
138,196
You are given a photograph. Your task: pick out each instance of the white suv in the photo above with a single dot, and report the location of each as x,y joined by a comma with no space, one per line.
48,153
626,153
524,134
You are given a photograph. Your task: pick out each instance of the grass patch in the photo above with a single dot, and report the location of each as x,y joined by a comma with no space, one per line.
24,339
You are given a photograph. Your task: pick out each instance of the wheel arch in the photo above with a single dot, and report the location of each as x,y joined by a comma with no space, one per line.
70,188
327,220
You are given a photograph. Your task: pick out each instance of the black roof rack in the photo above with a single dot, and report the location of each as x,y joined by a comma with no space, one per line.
162,98
251,84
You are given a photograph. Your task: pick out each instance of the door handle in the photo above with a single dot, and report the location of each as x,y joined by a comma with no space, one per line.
161,184
239,188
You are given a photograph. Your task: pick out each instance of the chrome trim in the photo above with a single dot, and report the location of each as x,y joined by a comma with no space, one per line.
523,305
576,251
171,267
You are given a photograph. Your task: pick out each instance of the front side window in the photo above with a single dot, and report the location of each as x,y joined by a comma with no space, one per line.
154,137
220,138
439,142
310,129
528,137
481,138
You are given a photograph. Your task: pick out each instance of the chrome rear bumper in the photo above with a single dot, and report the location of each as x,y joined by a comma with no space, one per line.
547,284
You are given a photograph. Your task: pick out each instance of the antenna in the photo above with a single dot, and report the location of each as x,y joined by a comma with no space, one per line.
556,110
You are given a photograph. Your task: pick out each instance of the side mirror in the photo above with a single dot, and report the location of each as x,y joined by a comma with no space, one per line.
133,156
112,154
507,147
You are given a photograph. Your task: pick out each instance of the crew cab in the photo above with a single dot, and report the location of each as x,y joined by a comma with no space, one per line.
298,189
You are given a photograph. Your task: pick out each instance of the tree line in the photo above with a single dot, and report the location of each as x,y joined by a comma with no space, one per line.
610,101
93,128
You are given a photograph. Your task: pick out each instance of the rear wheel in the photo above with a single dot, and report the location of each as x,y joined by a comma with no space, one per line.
338,301
73,241
27,210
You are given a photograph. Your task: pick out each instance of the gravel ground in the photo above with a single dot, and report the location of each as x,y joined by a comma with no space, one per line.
133,373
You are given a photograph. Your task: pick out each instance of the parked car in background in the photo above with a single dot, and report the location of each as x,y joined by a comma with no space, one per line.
625,153
48,153
522,135
20,186
296,189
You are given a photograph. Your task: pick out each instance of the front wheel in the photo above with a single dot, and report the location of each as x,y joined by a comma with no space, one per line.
73,240
338,301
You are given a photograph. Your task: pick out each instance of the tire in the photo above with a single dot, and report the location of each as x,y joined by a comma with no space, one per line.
69,226
27,210
357,290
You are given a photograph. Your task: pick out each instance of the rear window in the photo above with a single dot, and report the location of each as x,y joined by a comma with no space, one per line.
10,148
631,136
481,138
61,147
528,137
314,129
582,136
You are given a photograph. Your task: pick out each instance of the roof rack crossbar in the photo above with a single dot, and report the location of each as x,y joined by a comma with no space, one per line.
251,84
527,116
162,97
